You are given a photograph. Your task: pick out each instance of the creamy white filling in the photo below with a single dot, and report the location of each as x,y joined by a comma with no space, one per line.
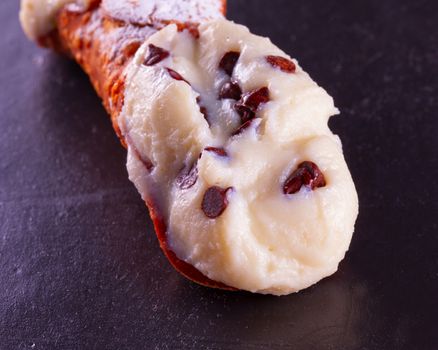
264,241
37,17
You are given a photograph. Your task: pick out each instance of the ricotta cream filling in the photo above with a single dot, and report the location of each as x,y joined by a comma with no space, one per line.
264,241
37,17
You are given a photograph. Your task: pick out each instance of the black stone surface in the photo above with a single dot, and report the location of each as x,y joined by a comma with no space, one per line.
80,267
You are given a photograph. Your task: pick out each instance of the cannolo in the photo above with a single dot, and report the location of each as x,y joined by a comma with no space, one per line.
226,136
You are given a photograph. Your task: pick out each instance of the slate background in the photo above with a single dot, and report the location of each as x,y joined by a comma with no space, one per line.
80,267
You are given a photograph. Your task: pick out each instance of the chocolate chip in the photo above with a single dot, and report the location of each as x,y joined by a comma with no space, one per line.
230,90
147,163
255,98
307,174
145,160
156,55
316,178
293,183
187,177
284,64
218,151
243,127
245,113
214,202
205,113
229,61
203,109
175,75
250,102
